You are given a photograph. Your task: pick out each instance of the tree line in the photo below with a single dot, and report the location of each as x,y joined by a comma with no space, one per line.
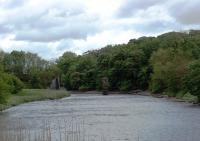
167,63
20,69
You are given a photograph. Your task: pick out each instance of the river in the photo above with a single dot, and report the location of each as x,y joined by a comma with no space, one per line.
94,117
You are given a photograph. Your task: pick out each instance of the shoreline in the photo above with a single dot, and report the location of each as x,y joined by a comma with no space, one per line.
141,93
32,95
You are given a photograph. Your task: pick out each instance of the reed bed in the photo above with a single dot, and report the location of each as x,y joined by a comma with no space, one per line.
61,130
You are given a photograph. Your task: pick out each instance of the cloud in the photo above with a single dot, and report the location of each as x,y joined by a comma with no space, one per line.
45,50
11,3
188,12
50,34
53,27
4,29
131,7
51,23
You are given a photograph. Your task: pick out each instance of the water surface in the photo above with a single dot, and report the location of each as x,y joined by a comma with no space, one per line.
107,118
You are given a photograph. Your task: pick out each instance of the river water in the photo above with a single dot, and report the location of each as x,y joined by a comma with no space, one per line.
94,117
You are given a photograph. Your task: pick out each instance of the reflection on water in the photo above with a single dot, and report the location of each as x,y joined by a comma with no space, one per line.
101,118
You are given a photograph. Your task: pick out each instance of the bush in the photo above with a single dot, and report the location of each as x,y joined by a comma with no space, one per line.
15,85
171,94
4,92
18,85
125,86
10,84
75,80
35,82
180,95
156,85
83,88
190,98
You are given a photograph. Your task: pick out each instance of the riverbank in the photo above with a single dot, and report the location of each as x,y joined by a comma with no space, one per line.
179,97
30,95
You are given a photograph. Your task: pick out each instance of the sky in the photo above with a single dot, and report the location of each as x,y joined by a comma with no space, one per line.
52,27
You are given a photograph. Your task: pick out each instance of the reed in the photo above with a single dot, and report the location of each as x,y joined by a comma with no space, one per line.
61,130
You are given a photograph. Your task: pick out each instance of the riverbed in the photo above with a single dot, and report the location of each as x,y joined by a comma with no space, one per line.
94,117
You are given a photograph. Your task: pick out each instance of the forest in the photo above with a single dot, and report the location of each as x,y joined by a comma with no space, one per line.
168,63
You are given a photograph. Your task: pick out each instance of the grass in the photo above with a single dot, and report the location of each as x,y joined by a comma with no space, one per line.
61,130
30,95
70,129
190,98
187,97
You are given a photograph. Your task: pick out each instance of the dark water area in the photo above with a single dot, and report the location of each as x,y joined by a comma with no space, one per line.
94,117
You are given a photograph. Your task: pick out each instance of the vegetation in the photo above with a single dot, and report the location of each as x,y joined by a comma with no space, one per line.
32,70
160,64
30,95
20,70
9,84
169,63
66,129
192,79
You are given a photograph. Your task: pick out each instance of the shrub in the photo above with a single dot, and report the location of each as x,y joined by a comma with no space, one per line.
180,95
125,86
4,92
156,85
171,94
190,98
75,80
18,85
15,85
35,82
12,84
83,88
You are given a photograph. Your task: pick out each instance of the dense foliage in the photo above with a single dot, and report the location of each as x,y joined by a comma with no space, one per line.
167,63
155,63
29,68
9,84
192,79
19,70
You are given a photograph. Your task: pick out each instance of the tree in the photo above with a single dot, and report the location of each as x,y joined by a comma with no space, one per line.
34,71
192,79
169,67
158,63
66,60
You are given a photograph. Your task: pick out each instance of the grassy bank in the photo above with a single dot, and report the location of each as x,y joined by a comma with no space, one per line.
186,97
30,95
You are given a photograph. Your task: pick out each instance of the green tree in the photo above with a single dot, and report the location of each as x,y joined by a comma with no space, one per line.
192,79
169,67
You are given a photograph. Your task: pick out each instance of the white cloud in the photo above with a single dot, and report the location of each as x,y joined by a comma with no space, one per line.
188,12
131,7
52,27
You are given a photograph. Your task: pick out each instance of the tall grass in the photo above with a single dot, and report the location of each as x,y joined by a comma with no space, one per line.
63,130
30,95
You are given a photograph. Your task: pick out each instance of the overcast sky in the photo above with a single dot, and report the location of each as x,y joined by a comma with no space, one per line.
51,27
